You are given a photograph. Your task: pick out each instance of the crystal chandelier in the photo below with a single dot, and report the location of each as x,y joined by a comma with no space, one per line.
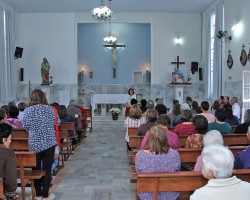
101,13
110,39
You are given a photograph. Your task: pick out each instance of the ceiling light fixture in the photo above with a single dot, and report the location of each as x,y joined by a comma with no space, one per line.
224,35
102,13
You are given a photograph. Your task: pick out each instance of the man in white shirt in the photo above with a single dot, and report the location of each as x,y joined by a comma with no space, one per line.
235,107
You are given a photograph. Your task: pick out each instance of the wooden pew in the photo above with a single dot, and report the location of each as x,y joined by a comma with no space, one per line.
70,126
186,181
1,188
132,131
89,118
19,140
190,155
24,160
135,141
231,139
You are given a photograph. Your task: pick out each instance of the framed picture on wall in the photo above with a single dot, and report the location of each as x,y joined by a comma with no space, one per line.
137,77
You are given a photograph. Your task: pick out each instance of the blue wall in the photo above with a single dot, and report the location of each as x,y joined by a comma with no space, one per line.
94,57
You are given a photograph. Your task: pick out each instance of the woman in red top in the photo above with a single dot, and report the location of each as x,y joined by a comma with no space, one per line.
186,127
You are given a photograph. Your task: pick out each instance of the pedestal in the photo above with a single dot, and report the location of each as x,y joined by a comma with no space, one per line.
178,94
48,91
178,91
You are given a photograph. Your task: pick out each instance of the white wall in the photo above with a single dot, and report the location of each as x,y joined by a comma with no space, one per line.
237,11
53,36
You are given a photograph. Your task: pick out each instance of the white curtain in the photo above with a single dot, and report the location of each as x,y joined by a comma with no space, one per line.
7,73
216,78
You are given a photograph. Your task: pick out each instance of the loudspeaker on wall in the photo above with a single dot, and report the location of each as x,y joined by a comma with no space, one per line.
21,74
194,67
18,52
200,74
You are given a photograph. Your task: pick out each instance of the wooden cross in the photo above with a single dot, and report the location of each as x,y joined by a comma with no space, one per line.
178,62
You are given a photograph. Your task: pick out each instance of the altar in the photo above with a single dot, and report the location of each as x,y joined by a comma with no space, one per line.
108,99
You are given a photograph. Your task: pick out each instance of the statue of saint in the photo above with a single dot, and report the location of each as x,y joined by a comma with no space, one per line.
177,76
45,67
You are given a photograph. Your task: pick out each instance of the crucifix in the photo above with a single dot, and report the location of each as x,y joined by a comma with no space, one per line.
114,47
178,62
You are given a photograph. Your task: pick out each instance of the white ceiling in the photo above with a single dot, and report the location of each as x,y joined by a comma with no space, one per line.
62,6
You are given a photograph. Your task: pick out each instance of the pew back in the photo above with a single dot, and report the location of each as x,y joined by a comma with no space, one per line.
19,140
177,181
1,188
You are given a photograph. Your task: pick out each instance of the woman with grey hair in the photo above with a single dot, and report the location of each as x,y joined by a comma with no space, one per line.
218,162
242,128
210,138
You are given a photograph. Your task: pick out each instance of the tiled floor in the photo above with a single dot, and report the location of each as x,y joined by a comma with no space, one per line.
99,168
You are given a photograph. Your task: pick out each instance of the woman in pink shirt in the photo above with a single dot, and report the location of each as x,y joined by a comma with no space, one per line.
173,139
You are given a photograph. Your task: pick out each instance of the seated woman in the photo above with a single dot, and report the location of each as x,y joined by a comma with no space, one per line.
135,119
210,138
157,157
8,170
242,159
186,127
201,125
176,114
243,128
64,117
217,167
151,119
132,102
13,118
173,139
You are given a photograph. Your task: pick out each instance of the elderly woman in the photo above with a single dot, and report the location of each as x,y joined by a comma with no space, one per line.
8,170
218,162
151,119
210,138
201,125
157,157
135,119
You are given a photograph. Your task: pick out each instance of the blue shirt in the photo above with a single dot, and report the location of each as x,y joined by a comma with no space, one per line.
242,159
39,122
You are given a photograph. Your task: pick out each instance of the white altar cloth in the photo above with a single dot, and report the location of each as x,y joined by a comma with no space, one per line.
109,99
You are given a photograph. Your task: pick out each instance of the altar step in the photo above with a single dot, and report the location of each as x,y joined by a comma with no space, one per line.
108,119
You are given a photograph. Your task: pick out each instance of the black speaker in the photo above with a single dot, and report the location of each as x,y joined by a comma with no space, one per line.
200,74
194,67
21,74
18,52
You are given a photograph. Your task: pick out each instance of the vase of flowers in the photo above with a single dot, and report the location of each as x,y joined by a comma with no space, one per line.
115,113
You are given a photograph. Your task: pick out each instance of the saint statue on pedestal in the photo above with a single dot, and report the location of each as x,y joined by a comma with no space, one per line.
45,67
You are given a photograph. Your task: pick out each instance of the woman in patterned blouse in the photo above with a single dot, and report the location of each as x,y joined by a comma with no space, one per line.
157,157
39,122
201,125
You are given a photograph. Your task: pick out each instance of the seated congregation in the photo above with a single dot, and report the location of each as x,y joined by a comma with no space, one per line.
41,137
160,158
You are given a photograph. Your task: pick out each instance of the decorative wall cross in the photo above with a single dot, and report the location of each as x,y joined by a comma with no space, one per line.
114,47
178,62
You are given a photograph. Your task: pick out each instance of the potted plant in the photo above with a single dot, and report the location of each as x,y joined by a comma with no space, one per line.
115,112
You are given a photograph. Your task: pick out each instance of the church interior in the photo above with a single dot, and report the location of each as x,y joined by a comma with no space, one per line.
162,49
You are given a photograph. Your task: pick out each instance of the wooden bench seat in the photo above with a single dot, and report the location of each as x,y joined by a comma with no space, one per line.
229,139
178,181
27,160
190,155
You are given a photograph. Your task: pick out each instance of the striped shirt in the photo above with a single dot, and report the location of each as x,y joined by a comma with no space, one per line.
133,123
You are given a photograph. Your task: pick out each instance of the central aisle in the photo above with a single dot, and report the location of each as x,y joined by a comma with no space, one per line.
99,168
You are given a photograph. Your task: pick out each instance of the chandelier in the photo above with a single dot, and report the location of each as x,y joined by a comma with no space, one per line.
110,39
101,13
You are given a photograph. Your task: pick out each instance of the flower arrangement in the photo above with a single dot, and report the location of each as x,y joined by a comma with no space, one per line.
115,111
